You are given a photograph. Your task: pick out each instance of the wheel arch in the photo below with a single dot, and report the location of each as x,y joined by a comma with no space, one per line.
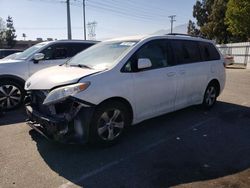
216,83
16,79
122,100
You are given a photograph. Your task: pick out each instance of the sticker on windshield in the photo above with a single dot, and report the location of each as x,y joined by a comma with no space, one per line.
127,44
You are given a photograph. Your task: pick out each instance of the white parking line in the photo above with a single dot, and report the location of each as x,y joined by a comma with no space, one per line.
146,148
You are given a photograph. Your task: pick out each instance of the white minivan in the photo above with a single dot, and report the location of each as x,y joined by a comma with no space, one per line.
120,82
16,70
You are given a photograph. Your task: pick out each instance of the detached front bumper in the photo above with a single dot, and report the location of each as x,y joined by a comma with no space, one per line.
67,125
46,125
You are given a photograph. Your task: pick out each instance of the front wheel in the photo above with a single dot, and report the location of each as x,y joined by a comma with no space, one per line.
108,123
11,95
210,96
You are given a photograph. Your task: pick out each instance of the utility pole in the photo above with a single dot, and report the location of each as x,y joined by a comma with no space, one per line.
68,20
84,19
24,36
172,20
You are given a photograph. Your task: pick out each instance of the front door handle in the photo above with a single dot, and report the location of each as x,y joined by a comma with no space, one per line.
182,72
170,74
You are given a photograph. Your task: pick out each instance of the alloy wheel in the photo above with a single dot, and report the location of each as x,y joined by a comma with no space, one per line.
111,124
210,96
10,96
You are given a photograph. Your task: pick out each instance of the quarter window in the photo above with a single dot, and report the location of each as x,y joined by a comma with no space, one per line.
209,52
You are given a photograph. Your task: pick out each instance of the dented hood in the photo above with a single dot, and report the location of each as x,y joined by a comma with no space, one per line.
49,78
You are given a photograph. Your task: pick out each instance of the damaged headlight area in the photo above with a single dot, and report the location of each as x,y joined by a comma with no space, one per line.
61,93
62,118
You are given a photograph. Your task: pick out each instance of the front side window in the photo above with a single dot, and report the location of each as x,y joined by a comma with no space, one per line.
27,53
155,51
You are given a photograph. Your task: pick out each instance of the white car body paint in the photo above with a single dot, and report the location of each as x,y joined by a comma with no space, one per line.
23,69
150,93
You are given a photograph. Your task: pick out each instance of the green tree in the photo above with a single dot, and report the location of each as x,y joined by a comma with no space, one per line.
192,30
10,32
216,28
210,16
202,10
237,18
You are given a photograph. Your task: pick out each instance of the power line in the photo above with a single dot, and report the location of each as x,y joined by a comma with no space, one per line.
126,11
151,10
122,13
129,12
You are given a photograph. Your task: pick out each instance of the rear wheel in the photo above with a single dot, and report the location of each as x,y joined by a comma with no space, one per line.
11,95
108,123
210,96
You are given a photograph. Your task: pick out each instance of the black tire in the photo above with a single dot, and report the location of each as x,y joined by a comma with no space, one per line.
99,123
210,96
11,95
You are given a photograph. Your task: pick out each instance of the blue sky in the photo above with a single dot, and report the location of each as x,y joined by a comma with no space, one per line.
47,18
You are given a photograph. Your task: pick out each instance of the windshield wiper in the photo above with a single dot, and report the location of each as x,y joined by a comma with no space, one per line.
82,66
66,62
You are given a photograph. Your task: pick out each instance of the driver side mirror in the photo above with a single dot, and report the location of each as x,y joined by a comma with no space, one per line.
144,63
38,57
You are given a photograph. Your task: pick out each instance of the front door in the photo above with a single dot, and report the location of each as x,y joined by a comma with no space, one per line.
155,87
54,55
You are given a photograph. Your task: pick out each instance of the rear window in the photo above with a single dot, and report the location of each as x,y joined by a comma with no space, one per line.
186,51
209,52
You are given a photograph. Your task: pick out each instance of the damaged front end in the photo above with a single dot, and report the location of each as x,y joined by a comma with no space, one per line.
65,121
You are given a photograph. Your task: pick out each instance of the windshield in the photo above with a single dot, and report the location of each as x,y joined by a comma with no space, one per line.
25,54
102,55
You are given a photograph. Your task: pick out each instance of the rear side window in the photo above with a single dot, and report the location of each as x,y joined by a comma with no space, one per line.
209,52
77,48
64,50
186,51
57,51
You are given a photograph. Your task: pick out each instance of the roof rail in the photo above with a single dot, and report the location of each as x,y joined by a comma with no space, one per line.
181,34
187,35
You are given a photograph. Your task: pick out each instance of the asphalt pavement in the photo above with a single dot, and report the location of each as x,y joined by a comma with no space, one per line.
187,148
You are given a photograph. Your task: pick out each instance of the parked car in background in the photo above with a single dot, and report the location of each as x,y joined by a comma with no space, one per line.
5,52
14,71
113,84
11,56
229,60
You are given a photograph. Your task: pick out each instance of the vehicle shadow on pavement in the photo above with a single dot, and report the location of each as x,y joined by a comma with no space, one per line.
182,147
12,117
